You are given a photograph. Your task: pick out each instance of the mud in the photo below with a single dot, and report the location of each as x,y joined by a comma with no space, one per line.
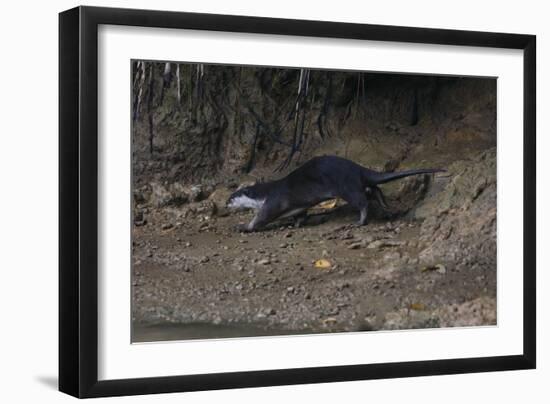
196,276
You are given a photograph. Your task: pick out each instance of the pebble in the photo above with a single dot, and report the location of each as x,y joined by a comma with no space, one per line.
346,236
385,243
391,256
265,261
355,246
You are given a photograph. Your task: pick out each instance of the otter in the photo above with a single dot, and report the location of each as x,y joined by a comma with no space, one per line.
317,180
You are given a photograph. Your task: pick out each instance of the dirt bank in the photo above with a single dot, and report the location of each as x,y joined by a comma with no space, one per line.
400,271
428,262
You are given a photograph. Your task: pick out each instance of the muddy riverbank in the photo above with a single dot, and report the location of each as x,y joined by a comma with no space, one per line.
192,267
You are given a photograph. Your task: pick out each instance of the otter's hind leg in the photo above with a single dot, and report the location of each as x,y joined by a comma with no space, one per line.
360,202
379,195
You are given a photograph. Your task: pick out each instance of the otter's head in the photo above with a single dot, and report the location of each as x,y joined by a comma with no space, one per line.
245,198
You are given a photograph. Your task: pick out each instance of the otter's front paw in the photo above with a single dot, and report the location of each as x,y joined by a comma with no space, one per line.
242,228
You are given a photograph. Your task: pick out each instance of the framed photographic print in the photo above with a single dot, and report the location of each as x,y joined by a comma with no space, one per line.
251,201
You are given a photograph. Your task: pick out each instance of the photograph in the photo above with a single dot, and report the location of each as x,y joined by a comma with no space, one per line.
275,202
272,201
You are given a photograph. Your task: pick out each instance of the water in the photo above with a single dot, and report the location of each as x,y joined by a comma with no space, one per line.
188,331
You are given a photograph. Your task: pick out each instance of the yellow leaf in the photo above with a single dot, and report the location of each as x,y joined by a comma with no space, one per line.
417,306
331,203
322,264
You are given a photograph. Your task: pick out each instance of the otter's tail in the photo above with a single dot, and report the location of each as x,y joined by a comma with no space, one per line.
382,178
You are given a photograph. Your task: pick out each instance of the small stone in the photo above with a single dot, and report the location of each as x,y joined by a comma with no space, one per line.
385,243
329,321
355,246
391,256
346,236
376,244
290,289
265,261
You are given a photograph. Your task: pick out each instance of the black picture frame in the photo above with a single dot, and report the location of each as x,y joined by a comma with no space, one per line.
78,201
